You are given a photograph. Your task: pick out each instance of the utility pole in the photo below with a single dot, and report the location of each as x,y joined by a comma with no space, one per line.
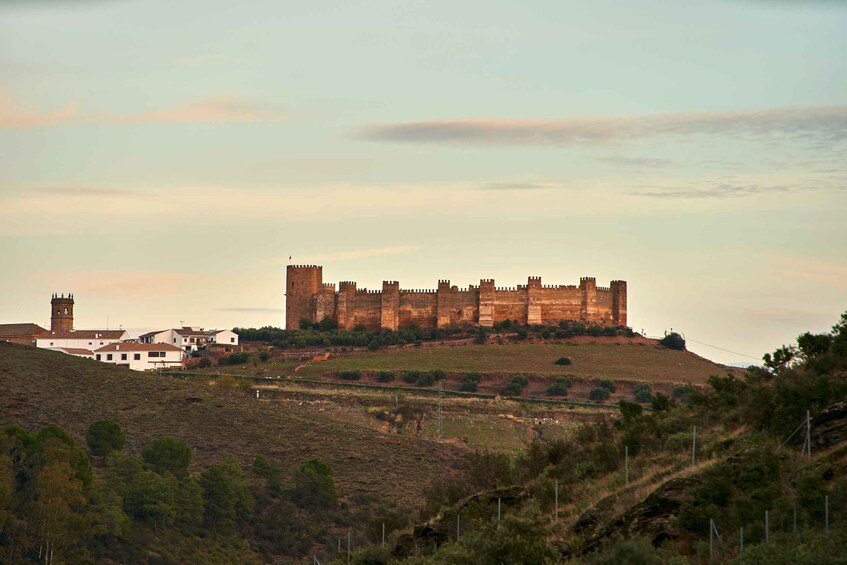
383,534
439,421
626,463
809,434
767,527
457,526
498,513
556,507
694,446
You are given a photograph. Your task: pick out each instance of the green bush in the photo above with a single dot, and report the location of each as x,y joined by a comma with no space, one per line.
353,375
411,377
610,331
515,386
204,363
557,389
373,345
470,382
564,333
673,341
385,376
105,436
264,356
598,393
563,361
607,384
235,359
425,379
595,331
643,393
168,454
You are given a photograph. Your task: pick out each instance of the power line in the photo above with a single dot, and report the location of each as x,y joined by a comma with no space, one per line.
722,349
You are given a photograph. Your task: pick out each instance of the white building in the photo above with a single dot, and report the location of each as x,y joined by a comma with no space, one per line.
79,339
84,353
191,339
140,356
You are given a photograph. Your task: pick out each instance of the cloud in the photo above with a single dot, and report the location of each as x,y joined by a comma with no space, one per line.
519,185
89,191
822,272
125,284
817,124
714,190
220,109
362,253
637,162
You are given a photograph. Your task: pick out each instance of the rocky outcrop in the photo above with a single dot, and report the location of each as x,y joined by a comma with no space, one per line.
651,518
829,428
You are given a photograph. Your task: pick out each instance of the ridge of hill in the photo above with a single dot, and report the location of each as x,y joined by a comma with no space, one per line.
43,387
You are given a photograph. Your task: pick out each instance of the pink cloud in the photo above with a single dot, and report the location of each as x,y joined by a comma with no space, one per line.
221,109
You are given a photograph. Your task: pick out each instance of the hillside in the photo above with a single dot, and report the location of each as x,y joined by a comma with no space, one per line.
634,360
43,387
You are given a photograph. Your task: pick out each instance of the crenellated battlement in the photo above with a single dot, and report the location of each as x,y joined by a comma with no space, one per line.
392,307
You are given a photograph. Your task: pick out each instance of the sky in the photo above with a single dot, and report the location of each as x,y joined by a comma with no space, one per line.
162,160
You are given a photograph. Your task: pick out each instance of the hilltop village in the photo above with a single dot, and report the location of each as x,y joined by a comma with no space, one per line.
160,349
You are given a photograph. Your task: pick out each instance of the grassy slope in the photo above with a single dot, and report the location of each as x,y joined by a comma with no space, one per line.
616,361
40,387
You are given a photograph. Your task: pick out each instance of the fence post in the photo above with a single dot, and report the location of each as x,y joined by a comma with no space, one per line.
767,527
694,446
826,513
626,463
498,513
741,538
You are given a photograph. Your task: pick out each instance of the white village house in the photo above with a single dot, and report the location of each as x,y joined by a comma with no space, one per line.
140,356
79,339
190,339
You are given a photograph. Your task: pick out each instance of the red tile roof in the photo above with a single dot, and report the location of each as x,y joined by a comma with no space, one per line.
20,330
84,334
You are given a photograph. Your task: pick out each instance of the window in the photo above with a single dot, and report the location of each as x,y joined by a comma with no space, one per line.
108,357
232,340
136,356
155,354
90,343
174,340
51,343
98,356
123,356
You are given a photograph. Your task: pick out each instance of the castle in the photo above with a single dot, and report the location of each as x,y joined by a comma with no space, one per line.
308,298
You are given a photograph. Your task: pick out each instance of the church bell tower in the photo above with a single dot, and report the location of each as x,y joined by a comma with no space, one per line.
62,313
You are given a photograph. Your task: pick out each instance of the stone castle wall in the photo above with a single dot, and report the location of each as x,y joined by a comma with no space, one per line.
309,298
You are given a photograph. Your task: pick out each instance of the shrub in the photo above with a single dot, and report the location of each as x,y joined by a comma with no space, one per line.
598,393
682,392
411,377
385,376
425,379
610,331
595,331
557,389
373,345
470,382
660,402
607,384
515,386
168,454
673,341
439,375
235,359
264,356
204,363
564,333
643,393
105,436
563,361
354,375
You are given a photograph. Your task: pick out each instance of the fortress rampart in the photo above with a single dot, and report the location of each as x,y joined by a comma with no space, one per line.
307,297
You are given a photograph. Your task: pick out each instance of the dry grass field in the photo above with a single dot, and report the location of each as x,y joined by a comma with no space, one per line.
617,361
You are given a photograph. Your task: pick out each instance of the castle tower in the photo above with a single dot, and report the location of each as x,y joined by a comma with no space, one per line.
302,283
486,303
390,306
588,289
619,302
533,301
442,304
62,313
